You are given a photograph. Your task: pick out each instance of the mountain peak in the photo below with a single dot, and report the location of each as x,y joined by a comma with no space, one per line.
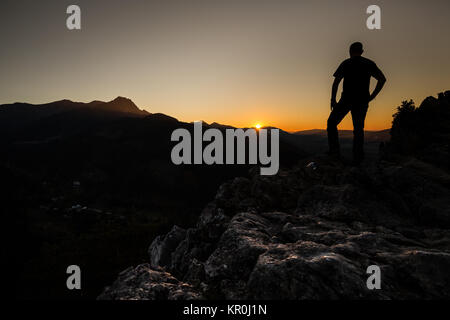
123,104
122,99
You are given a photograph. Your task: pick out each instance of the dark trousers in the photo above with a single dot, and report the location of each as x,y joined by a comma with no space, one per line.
358,111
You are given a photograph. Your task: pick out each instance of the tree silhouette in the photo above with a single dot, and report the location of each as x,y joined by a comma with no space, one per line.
423,131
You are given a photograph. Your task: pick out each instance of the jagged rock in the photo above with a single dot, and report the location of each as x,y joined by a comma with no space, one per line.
195,273
145,283
305,270
237,249
424,188
160,251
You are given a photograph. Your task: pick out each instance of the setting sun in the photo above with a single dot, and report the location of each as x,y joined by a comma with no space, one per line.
258,126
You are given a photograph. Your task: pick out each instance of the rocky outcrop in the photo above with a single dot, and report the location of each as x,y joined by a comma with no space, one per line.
308,233
143,282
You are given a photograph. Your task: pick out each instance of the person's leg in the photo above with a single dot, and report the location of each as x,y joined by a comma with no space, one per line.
358,117
337,114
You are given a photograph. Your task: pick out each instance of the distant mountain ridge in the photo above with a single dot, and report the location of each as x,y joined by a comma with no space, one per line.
17,117
35,123
119,104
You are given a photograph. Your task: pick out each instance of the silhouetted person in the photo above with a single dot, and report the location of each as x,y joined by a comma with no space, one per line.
356,72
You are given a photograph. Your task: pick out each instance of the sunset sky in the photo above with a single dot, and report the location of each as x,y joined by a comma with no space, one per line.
234,62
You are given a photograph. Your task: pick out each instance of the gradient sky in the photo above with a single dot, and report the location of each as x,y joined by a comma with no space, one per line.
234,62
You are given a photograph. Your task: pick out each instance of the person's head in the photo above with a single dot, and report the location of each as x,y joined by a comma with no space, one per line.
356,49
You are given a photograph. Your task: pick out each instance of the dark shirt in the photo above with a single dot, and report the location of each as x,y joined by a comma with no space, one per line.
356,72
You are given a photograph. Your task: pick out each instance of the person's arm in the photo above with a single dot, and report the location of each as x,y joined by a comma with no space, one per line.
381,81
334,90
